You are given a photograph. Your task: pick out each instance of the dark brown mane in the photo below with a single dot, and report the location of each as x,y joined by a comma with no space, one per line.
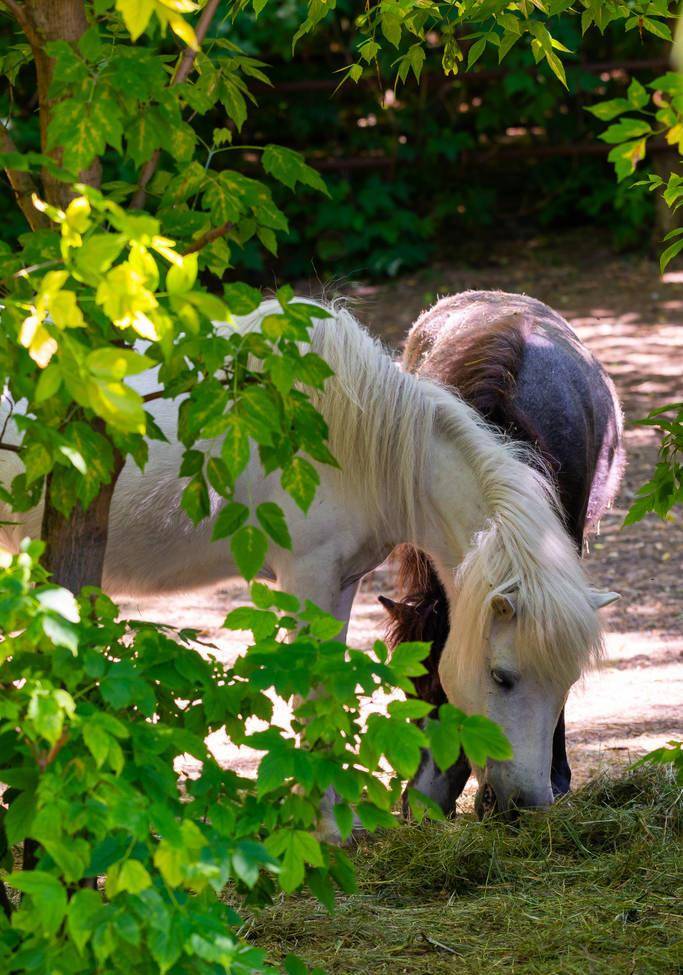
482,363
423,617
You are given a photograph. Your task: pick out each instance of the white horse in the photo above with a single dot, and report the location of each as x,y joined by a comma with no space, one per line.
418,466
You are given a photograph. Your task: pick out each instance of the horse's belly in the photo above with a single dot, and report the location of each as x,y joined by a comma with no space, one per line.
153,546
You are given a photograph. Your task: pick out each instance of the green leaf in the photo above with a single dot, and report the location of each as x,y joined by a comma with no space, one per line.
391,27
476,52
343,815
235,446
83,129
131,876
136,15
627,156
281,370
608,110
85,909
444,736
300,480
290,168
144,135
19,817
264,597
272,519
322,625
668,255
299,848
114,363
48,383
97,255
627,128
48,706
636,95
261,622
483,739
233,101
195,500
657,28
229,519
402,746
48,897
241,299
97,739
556,67
117,404
411,709
249,546
182,276
220,198
259,412
406,659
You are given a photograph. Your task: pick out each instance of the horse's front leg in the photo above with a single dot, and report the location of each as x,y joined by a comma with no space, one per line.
560,772
443,788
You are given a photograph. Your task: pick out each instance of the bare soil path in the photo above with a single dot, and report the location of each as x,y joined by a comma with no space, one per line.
632,319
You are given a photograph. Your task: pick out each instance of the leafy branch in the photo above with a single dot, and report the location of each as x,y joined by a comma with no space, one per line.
182,71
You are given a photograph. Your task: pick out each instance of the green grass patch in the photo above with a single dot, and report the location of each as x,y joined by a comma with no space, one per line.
594,885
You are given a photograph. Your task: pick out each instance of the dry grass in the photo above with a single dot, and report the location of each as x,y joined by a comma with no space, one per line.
593,886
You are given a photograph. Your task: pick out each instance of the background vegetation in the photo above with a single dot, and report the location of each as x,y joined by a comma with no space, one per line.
137,190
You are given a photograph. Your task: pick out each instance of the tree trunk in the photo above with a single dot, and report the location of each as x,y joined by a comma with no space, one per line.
54,20
76,545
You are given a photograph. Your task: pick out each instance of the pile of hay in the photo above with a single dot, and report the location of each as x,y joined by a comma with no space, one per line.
593,886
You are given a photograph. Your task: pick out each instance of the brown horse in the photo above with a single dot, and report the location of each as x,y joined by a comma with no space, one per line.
520,365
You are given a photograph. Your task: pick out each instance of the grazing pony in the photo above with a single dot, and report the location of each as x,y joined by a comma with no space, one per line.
417,465
520,365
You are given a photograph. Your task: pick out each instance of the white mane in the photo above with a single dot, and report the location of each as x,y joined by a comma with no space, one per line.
382,426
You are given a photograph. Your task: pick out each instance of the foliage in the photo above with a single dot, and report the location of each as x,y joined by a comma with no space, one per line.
109,276
419,172
669,754
132,227
636,120
93,784
664,490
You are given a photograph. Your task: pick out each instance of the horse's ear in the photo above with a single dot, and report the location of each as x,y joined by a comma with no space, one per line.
503,606
397,611
599,599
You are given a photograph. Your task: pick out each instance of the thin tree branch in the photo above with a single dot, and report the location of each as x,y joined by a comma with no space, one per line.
10,446
30,857
157,394
25,21
22,184
5,902
208,237
180,74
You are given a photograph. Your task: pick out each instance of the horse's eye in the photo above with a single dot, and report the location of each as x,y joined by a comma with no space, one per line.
506,678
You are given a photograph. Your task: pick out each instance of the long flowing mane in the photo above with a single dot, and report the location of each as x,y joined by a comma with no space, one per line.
383,426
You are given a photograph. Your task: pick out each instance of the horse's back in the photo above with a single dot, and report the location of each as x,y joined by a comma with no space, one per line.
522,367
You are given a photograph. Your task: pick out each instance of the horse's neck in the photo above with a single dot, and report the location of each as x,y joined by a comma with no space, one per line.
458,497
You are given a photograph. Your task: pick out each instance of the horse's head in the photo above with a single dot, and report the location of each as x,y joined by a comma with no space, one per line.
504,688
508,689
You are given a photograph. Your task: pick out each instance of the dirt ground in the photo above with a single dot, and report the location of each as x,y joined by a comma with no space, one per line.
632,319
